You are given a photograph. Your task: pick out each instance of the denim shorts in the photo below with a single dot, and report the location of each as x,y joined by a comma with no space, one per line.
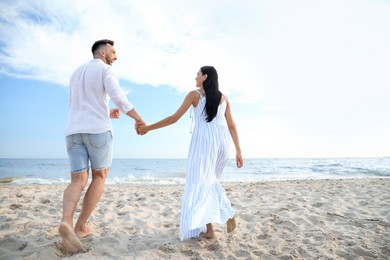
94,148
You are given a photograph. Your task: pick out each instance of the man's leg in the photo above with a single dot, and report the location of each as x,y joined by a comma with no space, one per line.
91,198
71,197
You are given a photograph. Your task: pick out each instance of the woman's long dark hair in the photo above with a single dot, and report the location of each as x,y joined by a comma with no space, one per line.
211,88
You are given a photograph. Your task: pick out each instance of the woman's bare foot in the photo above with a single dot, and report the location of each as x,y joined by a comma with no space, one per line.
70,240
210,231
210,234
231,224
83,232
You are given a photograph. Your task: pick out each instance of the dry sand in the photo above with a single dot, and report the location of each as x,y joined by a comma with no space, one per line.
325,219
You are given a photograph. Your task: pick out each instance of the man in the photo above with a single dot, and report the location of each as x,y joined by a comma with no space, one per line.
89,137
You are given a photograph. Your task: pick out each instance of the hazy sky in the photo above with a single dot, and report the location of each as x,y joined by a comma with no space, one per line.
305,78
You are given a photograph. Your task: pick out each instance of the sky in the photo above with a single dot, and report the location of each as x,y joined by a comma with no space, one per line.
305,78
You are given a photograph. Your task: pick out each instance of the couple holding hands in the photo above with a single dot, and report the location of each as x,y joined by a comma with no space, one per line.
89,145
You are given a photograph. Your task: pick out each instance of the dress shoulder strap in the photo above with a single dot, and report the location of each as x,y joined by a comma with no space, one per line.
200,93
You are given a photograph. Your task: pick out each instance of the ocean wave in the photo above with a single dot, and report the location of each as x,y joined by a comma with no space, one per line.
181,181
172,171
24,181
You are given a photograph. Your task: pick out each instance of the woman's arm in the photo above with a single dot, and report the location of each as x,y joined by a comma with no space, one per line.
234,133
188,101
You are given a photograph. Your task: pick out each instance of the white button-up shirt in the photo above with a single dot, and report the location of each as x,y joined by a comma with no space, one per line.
92,85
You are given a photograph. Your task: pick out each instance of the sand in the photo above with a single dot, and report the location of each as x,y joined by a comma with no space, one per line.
325,219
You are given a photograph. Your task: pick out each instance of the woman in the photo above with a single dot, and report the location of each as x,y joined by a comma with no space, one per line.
204,200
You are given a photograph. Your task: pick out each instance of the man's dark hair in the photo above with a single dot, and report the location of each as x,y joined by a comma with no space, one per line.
97,44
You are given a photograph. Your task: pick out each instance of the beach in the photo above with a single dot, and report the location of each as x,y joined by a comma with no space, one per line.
298,219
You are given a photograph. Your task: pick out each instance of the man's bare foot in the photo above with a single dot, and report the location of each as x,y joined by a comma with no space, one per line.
84,232
70,240
231,224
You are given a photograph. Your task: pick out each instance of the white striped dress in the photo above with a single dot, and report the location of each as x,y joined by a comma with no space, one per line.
204,200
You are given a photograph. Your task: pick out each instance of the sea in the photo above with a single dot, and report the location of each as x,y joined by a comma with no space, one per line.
173,171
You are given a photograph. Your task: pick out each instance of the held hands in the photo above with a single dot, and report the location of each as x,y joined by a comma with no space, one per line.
140,127
143,129
115,113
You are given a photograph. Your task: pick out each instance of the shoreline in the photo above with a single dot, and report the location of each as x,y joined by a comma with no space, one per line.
326,218
8,180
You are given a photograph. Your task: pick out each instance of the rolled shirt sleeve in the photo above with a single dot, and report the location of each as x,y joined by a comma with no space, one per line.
115,92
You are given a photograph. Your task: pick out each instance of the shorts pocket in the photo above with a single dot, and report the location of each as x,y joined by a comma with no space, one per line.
98,140
69,142
73,140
